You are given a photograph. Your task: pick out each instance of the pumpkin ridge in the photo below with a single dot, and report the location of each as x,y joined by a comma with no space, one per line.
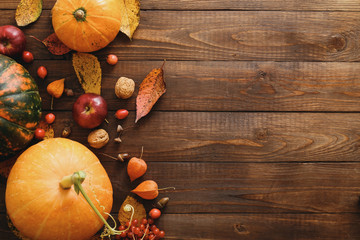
14,93
94,28
63,24
87,42
42,225
17,125
18,210
107,17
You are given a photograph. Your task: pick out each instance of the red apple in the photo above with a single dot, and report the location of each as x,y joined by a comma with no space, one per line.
89,110
12,41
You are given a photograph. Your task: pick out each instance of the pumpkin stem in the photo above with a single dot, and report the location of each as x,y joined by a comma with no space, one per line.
80,14
77,179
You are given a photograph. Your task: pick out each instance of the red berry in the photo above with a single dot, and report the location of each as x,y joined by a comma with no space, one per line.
161,234
153,227
39,133
150,221
50,118
123,234
155,213
112,59
156,231
127,223
121,113
140,234
42,72
121,227
134,222
130,235
136,230
144,221
27,56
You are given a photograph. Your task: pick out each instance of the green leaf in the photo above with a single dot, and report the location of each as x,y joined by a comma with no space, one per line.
28,11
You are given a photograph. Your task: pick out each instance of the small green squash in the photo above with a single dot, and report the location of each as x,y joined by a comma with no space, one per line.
20,107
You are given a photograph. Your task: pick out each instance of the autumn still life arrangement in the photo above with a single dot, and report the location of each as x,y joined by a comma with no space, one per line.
57,188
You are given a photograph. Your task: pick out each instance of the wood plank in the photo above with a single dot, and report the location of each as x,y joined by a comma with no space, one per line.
230,36
244,187
232,136
223,85
249,226
254,5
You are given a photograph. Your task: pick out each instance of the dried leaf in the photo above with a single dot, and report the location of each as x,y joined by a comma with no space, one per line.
49,131
150,90
130,12
28,11
55,46
140,211
88,71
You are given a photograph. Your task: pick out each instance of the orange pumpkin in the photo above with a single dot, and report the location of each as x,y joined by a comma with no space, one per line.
86,25
40,208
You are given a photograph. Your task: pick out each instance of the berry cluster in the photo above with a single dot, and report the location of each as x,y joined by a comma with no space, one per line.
143,230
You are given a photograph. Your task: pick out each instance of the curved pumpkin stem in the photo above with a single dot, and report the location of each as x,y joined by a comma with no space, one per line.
77,179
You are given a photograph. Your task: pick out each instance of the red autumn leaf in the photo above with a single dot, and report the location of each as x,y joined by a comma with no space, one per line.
150,90
54,45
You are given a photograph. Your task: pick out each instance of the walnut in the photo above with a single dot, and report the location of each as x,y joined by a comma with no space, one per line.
124,88
98,138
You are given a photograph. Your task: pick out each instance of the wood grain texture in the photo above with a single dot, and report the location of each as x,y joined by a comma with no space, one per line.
250,226
231,136
259,128
230,36
223,85
260,188
254,5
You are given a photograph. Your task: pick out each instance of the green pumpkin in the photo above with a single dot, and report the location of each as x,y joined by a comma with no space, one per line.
20,107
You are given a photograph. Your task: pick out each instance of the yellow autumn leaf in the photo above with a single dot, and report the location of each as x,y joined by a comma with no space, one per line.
88,71
139,210
28,11
130,12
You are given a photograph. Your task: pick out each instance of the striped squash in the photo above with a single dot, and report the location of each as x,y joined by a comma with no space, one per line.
20,107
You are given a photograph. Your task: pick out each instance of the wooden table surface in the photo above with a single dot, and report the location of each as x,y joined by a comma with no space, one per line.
259,130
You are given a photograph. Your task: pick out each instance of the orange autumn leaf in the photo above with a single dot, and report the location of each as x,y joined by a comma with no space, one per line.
56,88
150,90
139,210
88,71
28,11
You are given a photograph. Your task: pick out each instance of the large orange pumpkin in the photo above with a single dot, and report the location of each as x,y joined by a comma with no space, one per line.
40,208
86,25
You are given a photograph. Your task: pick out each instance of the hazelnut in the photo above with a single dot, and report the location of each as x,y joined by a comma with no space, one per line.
98,138
124,87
